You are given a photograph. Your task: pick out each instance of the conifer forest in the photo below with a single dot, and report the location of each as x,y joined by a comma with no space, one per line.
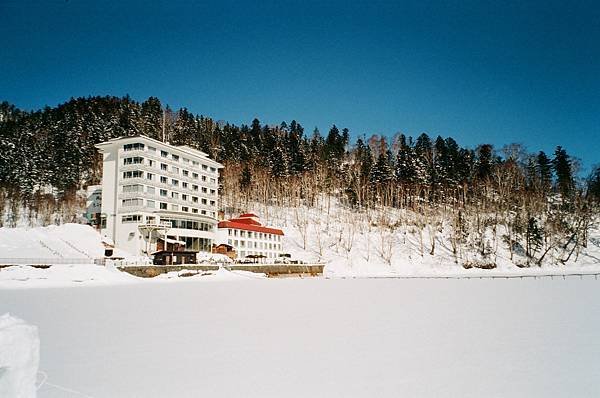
533,203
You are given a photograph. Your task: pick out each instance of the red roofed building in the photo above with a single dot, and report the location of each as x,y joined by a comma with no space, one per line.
248,236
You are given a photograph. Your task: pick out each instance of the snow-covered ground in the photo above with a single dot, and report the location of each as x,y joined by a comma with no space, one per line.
60,242
350,243
318,338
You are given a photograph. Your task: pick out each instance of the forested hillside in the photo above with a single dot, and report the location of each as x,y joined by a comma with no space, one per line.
47,155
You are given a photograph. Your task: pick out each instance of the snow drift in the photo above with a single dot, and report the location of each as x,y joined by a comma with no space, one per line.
19,357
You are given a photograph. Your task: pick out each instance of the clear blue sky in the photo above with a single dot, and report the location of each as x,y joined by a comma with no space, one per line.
497,72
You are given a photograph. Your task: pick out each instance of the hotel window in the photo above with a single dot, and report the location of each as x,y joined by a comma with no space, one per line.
185,173
243,234
175,183
235,232
150,162
213,181
164,154
131,218
194,199
213,192
242,243
229,231
186,209
151,149
150,220
184,185
212,202
133,147
151,204
195,176
133,202
204,178
249,234
133,160
163,167
186,161
195,187
163,206
163,192
175,207
150,190
203,201
204,167
174,195
133,174
175,158
184,197
195,211
195,163
149,176
133,188
212,170
163,180
203,212
204,190
175,169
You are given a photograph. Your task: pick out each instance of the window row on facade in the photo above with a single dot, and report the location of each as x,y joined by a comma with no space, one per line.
165,181
171,156
253,234
170,222
138,160
242,244
150,191
151,204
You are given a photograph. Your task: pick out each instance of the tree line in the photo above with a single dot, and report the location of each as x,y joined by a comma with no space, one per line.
49,154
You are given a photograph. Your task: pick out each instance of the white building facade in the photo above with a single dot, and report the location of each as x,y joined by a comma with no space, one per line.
157,196
249,237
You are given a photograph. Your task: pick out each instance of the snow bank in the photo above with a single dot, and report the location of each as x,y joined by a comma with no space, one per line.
22,276
212,258
219,275
19,357
66,241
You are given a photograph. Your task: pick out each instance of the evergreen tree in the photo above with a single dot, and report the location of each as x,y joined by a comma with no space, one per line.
593,184
485,159
564,176
544,171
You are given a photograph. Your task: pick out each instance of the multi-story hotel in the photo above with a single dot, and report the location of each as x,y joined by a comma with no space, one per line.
248,237
157,196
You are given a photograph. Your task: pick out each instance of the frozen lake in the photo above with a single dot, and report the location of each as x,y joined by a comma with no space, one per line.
319,338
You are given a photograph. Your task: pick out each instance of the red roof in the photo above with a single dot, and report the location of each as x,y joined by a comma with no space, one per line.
245,215
245,221
235,224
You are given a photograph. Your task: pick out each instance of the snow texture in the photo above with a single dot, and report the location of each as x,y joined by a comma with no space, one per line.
319,337
19,357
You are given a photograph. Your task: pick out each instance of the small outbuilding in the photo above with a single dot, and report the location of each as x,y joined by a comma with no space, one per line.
165,257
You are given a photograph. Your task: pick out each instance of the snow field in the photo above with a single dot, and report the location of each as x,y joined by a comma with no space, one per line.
319,338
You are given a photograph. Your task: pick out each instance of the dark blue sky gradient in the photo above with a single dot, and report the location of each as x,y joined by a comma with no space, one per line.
497,72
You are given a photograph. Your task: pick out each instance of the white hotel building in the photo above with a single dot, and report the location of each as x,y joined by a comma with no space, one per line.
157,196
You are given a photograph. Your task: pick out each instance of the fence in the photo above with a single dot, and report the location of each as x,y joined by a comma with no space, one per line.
45,261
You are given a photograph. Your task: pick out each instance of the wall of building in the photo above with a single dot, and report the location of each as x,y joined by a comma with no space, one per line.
132,187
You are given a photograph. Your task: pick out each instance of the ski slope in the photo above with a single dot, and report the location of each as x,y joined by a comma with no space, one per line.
318,338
